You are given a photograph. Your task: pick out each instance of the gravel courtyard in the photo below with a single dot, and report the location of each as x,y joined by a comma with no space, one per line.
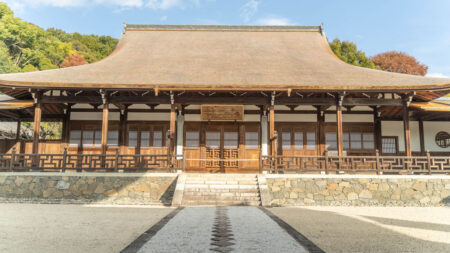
372,229
73,228
77,228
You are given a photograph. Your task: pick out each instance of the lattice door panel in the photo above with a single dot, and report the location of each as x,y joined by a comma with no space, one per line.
233,155
213,158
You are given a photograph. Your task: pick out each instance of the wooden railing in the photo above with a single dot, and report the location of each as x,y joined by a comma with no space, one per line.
357,164
88,162
273,164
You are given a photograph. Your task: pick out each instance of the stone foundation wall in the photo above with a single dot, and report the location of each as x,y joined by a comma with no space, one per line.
102,188
358,190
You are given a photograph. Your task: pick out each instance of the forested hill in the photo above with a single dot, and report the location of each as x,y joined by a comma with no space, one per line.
26,47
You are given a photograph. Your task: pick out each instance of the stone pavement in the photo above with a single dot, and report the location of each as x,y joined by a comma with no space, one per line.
221,229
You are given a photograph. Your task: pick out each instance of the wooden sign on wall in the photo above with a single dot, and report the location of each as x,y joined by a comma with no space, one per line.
222,112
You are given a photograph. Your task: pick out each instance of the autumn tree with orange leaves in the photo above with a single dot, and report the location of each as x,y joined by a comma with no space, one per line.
73,60
399,62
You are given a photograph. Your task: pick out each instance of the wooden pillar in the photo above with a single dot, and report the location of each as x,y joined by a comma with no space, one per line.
377,128
340,131
172,129
36,127
407,129
321,130
273,148
422,138
123,129
19,124
105,128
66,125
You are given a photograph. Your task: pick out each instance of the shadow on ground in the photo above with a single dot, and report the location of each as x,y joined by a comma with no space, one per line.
334,232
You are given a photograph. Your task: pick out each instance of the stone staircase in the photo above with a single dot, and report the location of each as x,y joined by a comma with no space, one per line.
221,190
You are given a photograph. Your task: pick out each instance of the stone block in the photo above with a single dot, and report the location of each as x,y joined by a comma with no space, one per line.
344,184
419,186
293,195
372,187
19,180
308,201
332,186
352,196
62,185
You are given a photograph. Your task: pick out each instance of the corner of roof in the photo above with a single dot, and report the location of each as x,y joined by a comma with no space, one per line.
249,28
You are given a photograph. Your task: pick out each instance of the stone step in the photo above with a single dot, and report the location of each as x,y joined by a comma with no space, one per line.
237,194
219,203
222,190
217,187
222,198
221,181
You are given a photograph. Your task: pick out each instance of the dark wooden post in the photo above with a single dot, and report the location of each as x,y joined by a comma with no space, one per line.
19,125
66,125
407,129
377,128
105,128
377,162
36,127
340,131
429,162
321,130
422,138
123,129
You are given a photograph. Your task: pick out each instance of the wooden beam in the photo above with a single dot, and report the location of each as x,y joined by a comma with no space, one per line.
422,138
36,127
406,128
220,100
10,114
105,128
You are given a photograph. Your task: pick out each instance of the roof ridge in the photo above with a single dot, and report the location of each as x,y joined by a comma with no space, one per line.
149,27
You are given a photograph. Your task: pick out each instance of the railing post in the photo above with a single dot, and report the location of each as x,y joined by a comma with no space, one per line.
326,161
116,166
377,157
64,162
429,162
13,158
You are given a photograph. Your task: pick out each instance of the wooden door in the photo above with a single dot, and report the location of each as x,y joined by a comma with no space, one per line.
297,139
221,147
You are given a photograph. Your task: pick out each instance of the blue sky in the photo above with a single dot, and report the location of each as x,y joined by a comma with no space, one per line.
418,27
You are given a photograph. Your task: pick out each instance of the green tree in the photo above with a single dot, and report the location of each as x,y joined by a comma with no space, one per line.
348,52
6,63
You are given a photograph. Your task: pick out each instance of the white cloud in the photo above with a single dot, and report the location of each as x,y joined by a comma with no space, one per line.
249,9
274,21
153,4
163,18
439,75
164,4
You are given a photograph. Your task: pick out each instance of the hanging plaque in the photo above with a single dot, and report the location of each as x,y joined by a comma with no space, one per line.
222,112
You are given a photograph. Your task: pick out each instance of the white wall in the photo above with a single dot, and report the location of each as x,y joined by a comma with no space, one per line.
149,116
395,128
295,117
430,129
93,116
350,118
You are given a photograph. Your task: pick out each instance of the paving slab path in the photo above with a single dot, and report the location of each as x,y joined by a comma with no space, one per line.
221,229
